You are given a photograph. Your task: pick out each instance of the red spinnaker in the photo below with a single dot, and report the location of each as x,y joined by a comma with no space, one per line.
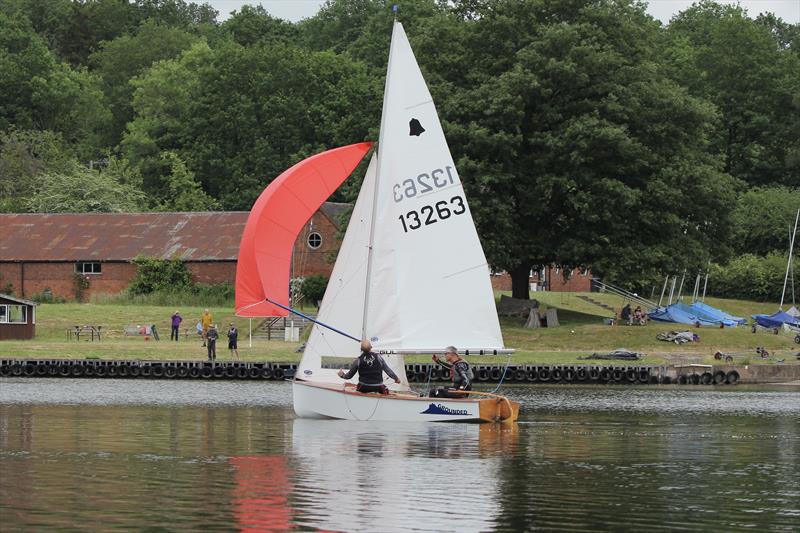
277,217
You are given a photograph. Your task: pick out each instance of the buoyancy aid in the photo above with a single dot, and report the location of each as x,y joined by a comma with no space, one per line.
370,369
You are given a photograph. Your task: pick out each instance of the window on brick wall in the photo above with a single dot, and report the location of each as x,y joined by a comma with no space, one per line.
88,268
314,240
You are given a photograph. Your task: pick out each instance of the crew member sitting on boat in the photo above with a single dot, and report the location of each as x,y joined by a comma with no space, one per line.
460,373
370,367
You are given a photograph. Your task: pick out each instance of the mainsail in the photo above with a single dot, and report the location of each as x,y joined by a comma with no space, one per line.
429,283
277,218
426,284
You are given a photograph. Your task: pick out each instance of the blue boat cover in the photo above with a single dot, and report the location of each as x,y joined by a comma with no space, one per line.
718,314
697,312
776,320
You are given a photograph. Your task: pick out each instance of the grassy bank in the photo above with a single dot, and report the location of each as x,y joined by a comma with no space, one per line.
582,332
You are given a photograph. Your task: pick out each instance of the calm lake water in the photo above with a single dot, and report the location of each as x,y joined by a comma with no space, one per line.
98,455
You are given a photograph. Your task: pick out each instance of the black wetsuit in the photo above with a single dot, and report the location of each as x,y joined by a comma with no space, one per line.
370,367
461,376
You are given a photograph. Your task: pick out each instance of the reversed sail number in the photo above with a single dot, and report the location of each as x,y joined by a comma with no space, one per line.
431,214
424,183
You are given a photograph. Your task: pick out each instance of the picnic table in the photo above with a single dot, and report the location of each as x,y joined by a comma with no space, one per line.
91,331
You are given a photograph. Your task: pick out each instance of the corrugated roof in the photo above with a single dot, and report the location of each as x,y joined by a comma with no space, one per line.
208,236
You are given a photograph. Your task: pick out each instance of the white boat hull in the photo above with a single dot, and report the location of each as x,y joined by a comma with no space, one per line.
321,400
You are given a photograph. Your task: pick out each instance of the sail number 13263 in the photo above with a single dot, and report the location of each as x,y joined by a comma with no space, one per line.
431,214
424,183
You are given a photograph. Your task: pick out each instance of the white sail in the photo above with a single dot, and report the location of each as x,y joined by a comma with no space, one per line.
429,280
343,303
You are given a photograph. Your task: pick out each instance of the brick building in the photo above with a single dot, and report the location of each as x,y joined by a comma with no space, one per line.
550,278
44,252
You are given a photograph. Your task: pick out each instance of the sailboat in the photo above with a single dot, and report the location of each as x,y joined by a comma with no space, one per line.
410,276
789,320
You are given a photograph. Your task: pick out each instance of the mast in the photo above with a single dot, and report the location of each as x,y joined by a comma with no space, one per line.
789,260
377,185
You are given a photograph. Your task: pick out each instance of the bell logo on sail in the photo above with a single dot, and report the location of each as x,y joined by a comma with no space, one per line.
415,128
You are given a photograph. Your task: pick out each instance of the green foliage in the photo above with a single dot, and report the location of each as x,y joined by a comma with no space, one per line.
751,277
312,289
184,193
80,284
39,92
764,219
237,114
127,56
80,190
748,69
197,295
160,275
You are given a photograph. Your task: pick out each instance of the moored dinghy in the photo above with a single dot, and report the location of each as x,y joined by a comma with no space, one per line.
410,275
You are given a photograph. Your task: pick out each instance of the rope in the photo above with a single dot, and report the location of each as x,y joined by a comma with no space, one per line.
499,383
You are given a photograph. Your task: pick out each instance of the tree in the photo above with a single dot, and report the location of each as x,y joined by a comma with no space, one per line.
238,116
764,219
575,150
253,25
185,194
749,70
80,190
23,156
38,92
120,60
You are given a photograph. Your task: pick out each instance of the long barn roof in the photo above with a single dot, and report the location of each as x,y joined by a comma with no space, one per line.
206,236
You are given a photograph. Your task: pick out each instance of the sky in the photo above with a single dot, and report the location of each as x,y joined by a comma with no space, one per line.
663,10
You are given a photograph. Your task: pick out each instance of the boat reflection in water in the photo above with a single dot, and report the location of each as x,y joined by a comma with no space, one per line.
261,493
356,476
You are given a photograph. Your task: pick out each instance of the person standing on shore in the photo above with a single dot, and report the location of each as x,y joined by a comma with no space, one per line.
206,320
233,337
176,324
211,340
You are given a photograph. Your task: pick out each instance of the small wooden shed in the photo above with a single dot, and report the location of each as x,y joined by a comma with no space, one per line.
17,318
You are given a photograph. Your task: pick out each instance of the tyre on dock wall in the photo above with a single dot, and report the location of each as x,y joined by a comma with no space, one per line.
617,375
135,371
719,377
732,377
694,379
101,371
644,375
206,373
682,380
76,371
581,374
544,374
266,373
277,373
64,370
631,375
706,378
594,374
532,375
557,374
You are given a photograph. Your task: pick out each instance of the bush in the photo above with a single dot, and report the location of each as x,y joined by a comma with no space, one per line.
199,295
749,277
312,289
160,275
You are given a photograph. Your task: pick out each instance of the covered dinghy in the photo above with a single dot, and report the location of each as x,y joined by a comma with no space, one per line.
714,314
776,320
691,315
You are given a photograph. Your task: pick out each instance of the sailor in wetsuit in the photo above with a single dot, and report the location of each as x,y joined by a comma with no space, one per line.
460,373
370,367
